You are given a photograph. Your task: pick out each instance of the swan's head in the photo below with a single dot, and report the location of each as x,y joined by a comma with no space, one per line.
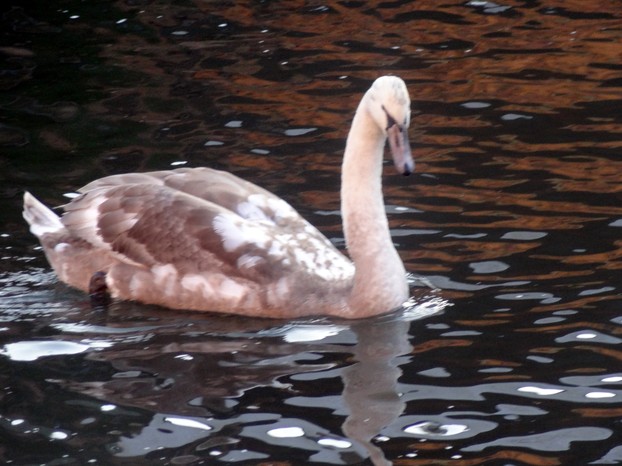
389,105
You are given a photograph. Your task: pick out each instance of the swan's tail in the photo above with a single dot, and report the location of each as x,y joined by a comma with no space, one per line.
74,260
40,218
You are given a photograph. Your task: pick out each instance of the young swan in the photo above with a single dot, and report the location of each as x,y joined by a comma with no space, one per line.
203,239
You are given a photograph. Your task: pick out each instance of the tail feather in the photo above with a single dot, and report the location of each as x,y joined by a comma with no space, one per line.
40,218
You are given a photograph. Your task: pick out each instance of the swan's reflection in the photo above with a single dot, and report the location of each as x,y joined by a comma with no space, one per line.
370,384
191,387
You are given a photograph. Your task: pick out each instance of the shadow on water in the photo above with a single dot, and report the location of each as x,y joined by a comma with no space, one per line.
514,214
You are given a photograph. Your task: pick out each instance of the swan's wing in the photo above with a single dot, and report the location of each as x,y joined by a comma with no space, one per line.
151,224
218,187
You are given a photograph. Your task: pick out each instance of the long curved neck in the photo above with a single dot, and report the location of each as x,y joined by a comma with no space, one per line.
380,279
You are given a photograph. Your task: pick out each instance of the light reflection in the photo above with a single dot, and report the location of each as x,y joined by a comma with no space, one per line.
337,443
599,395
187,422
33,350
540,391
302,333
286,432
430,429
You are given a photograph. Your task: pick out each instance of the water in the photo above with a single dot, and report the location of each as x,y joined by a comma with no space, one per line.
514,215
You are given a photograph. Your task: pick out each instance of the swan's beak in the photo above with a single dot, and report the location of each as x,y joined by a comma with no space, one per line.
400,149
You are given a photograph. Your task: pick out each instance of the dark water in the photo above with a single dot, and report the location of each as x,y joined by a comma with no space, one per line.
515,214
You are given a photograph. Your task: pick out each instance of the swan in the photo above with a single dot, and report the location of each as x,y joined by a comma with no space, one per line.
204,239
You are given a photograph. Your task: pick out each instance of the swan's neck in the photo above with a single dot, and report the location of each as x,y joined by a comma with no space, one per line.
380,279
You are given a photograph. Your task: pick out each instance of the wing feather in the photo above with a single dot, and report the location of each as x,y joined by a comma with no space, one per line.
198,220
215,186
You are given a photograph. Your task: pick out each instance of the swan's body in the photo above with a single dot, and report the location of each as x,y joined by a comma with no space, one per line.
206,240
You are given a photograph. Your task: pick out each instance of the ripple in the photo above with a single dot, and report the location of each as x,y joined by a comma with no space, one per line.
614,456
234,124
412,232
604,289
299,332
237,456
556,440
589,335
13,137
544,297
519,390
83,328
435,372
399,209
431,429
519,410
515,116
293,132
298,433
437,427
524,235
549,320
489,266
163,431
466,236
212,143
475,104
488,7
445,283
540,359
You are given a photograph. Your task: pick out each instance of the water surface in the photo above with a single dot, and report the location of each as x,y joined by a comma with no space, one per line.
514,216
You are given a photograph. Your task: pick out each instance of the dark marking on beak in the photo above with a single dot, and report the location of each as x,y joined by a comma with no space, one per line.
407,170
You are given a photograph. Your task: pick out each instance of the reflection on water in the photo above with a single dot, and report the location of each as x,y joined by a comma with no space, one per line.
370,384
514,216
214,385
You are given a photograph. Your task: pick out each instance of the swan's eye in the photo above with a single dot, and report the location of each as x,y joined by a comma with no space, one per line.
390,120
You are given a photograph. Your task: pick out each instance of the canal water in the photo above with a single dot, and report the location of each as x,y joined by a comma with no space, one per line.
511,227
